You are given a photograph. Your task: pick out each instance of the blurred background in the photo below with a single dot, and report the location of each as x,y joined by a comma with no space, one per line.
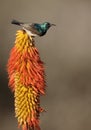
66,50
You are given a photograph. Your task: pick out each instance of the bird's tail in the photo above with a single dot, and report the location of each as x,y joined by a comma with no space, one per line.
16,22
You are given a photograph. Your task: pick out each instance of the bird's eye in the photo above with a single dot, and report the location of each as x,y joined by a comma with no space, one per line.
48,25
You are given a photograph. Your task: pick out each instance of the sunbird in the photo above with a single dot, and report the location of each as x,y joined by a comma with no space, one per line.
34,29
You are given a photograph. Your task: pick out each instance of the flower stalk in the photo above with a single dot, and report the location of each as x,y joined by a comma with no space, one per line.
26,80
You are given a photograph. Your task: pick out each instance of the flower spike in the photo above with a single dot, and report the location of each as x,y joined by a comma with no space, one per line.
26,80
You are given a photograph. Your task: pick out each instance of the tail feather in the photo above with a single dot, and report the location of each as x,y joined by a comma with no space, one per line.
16,22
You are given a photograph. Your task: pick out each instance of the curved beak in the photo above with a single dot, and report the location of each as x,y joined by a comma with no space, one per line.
53,25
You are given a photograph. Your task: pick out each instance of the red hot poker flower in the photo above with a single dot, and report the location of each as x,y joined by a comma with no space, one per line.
26,80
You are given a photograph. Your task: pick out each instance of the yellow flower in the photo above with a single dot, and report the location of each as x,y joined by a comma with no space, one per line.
26,80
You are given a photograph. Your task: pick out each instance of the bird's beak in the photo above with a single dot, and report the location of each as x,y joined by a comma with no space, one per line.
53,25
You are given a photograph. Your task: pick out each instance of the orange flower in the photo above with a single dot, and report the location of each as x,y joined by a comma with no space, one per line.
26,80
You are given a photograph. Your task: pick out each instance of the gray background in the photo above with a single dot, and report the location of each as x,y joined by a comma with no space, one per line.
66,50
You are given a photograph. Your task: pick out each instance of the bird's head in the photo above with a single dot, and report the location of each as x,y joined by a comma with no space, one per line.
47,25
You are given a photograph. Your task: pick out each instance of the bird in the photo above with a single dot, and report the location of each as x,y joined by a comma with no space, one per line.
34,29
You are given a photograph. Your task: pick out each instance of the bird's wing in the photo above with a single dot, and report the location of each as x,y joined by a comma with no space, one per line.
34,28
